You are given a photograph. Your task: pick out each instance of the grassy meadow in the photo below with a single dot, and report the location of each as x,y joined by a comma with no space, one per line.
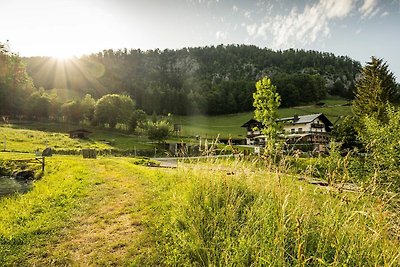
79,213
117,212
29,136
229,125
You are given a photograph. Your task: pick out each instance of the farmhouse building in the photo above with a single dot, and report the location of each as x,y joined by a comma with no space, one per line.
79,133
307,132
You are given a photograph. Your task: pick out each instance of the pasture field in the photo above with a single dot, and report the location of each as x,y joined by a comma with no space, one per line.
80,213
29,136
229,125
116,212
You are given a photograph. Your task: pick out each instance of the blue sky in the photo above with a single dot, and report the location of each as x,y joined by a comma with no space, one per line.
355,28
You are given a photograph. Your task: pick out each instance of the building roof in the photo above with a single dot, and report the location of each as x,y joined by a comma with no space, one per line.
251,121
298,120
306,119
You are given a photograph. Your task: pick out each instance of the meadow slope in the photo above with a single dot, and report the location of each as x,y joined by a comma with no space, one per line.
114,212
229,125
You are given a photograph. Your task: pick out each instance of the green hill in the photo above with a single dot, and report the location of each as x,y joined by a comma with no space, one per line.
229,125
200,80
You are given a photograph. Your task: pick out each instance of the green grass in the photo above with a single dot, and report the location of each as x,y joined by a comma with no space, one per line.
229,125
26,140
232,214
335,100
111,212
29,220
82,212
28,137
211,126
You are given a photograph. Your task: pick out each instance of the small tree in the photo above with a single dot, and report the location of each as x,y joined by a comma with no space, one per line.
266,103
138,119
159,131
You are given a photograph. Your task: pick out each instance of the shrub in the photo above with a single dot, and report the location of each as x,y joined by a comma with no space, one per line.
159,131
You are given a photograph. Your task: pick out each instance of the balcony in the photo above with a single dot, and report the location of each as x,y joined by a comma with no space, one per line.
317,125
252,134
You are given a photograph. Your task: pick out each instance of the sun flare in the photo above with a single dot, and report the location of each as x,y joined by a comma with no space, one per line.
62,55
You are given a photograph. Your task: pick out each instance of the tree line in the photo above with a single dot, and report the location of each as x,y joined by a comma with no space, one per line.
19,98
202,80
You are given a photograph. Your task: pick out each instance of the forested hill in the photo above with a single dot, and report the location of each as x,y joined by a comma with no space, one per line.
210,80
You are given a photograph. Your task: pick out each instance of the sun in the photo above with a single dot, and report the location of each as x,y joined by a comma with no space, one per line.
60,51
63,56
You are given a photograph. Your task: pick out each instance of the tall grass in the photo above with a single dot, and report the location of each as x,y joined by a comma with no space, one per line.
225,212
33,218
235,214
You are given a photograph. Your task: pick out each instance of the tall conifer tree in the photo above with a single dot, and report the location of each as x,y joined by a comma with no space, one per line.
374,90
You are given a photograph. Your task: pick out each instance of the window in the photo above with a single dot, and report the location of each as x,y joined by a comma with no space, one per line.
300,130
292,130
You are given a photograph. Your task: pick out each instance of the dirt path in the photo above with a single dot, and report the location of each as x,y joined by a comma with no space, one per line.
107,230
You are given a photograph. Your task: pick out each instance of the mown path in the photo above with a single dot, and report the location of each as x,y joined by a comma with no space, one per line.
107,229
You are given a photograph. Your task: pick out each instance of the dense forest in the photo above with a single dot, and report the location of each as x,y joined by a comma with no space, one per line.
208,80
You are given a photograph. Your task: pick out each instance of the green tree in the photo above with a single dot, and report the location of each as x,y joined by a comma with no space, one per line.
39,104
55,106
374,90
15,84
138,119
345,133
159,131
126,107
112,109
87,107
72,111
210,80
266,103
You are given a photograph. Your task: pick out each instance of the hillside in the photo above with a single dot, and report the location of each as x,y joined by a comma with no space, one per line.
229,125
26,137
201,80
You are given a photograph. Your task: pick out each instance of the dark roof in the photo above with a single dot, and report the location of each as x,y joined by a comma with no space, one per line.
298,119
251,121
80,131
307,119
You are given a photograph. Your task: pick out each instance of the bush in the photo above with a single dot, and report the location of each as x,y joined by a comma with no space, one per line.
382,143
159,131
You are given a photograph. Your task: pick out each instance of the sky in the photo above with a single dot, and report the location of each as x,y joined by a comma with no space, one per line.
63,28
